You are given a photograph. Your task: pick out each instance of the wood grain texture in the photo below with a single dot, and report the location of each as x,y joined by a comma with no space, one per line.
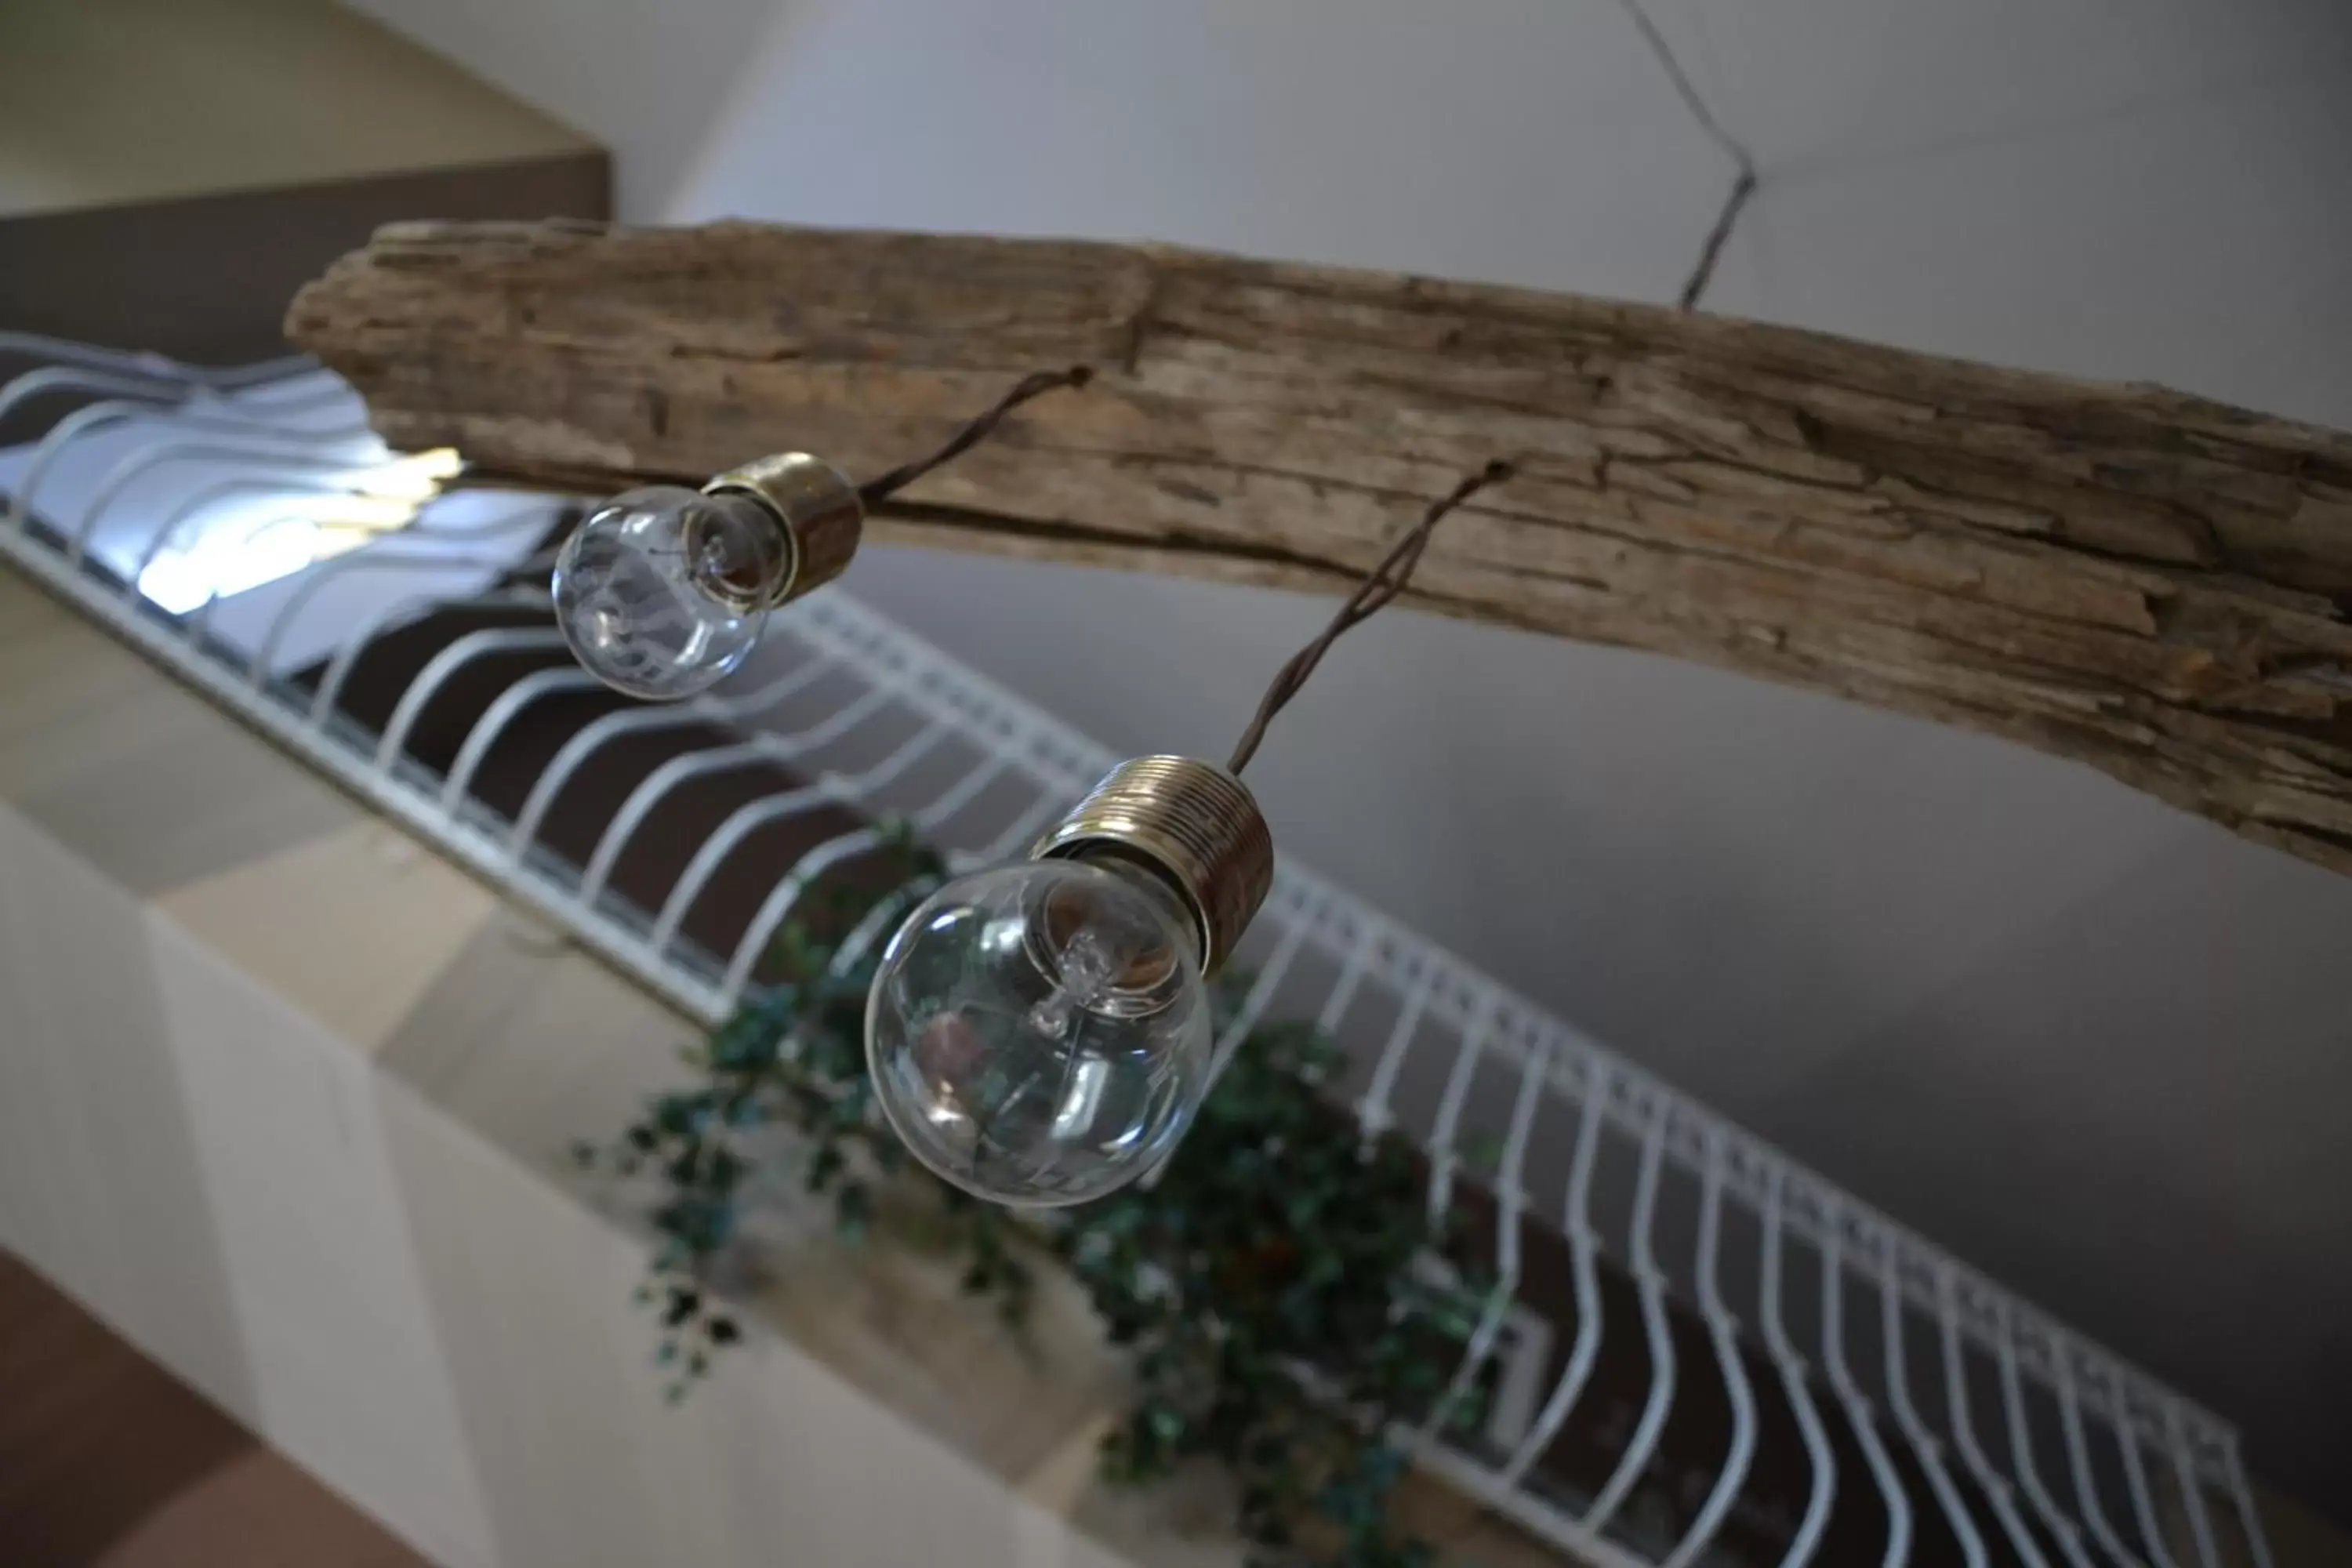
2139,580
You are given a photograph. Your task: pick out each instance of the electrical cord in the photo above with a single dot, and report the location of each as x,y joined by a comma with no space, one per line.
1037,385
1378,589
1381,589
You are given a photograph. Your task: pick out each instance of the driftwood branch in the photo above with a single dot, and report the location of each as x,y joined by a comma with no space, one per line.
2154,584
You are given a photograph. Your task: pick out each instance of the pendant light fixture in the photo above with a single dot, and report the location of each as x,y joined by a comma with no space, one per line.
1039,1032
665,590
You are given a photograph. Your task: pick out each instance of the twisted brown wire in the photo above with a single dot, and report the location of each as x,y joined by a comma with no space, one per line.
1386,581
884,486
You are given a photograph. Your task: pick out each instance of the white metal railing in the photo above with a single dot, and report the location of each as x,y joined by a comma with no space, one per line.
1936,1416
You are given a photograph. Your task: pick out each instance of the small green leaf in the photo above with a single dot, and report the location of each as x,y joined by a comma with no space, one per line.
1483,1153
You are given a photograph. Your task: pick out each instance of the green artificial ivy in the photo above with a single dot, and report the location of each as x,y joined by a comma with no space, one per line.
1271,1292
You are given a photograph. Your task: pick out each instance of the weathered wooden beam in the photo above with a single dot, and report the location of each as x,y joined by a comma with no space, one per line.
2148,582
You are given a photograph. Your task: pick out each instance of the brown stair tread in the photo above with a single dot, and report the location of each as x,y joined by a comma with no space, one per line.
106,1461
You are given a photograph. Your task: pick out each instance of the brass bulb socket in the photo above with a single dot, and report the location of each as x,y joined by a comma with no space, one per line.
1191,821
818,507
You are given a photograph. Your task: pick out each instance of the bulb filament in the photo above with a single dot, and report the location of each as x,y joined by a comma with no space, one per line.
1089,965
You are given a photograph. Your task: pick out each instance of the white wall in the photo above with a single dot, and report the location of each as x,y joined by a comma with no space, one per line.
2095,1045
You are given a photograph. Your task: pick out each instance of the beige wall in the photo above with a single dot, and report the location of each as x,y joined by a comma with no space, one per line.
109,101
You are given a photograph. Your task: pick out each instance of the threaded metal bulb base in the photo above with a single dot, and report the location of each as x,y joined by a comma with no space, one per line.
1193,822
819,511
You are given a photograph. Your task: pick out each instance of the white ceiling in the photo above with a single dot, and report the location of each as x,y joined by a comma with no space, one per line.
2097,1046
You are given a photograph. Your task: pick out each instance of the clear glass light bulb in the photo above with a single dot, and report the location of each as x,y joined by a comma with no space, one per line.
1039,1032
664,590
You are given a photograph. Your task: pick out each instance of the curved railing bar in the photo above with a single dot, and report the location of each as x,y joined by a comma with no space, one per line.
2249,1521
120,393
1469,1049
2143,1504
1018,837
207,496
1818,1455
2078,1454
1372,1112
752,815
944,809
2192,1492
1652,1287
1964,1432
2054,1519
384,617
1585,1354
160,367
503,711
1850,1396
159,454
883,917
779,903
1924,1446
459,653
383,555
61,436
648,717
1260,996
1724,1330
766,746
1510,1203
1351,976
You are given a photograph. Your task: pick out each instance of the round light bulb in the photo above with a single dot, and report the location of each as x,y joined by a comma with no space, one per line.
664,590
1039,1034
